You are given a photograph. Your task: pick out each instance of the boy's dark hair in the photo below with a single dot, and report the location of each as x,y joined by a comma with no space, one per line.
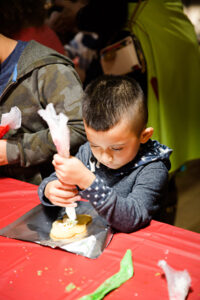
108,98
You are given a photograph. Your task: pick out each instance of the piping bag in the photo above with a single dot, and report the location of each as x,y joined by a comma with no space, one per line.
61,137
178,282
10,120
126,272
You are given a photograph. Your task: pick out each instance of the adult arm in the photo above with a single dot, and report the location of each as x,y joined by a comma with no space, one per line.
3,155
57,84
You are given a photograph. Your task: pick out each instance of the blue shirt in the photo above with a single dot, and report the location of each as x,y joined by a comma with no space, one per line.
8,65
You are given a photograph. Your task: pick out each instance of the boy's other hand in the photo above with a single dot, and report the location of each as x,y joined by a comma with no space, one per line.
72,171
61,194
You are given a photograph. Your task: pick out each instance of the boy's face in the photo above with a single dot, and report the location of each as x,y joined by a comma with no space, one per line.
115,147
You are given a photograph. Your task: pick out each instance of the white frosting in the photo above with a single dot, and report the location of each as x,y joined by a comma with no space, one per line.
67,223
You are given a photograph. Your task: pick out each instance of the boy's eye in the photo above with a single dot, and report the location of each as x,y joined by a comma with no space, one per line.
117,149
113,148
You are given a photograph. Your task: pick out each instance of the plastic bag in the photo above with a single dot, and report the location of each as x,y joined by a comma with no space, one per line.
178,281
58,129
11,120
61,137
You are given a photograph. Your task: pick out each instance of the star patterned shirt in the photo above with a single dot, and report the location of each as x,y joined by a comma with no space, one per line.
129,197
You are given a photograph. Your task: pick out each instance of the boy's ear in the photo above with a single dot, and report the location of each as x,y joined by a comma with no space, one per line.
146,135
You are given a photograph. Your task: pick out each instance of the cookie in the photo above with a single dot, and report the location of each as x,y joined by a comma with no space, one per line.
68,229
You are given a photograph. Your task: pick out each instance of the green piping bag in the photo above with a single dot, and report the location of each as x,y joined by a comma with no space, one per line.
113,282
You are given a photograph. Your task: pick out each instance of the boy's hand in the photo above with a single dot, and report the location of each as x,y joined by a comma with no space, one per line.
60,194
72,171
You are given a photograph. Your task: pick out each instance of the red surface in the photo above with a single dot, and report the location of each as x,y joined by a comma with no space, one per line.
31,271
3,130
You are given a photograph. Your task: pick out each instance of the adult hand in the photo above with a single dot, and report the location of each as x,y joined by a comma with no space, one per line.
61,194
3,154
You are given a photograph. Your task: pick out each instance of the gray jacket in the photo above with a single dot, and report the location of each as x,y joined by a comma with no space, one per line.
129,197
41,76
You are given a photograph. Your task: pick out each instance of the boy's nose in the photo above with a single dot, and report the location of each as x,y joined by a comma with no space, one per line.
106,158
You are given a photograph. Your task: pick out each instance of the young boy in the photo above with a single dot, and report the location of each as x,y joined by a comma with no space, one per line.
120,170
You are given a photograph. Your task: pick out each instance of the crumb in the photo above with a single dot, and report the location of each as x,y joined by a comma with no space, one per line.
71,286
39,272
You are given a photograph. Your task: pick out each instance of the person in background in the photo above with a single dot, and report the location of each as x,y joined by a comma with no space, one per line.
61,17
192,10
84,27
31,76
25,20
170,79
120,170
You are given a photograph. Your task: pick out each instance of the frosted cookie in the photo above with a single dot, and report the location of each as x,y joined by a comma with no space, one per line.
68,229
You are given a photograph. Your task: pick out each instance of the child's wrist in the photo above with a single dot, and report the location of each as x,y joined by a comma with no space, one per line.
87,181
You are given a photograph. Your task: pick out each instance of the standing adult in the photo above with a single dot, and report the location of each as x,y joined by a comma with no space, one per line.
32,76
171,50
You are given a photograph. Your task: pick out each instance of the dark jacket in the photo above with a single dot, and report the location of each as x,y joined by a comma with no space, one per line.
129,197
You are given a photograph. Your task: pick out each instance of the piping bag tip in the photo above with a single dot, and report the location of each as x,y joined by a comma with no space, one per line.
71,213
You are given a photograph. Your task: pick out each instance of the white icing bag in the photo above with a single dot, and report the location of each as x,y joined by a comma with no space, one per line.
61,137
58,128
178,282
12,119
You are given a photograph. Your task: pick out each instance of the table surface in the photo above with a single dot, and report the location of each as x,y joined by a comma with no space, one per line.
38,272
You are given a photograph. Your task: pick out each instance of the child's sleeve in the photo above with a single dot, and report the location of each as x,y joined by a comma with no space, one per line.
42,187
130,213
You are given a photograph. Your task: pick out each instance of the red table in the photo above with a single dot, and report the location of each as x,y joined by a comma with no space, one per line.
31,271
